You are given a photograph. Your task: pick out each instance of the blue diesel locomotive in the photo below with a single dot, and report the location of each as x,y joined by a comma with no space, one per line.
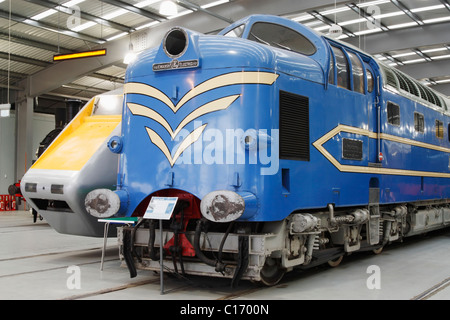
283,148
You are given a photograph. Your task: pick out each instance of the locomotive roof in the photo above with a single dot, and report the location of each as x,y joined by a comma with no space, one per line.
392,78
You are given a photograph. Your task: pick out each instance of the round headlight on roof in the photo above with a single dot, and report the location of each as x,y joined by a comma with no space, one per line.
175,42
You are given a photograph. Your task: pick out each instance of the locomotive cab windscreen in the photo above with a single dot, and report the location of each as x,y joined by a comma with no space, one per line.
275,35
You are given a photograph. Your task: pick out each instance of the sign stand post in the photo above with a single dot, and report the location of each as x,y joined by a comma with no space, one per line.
161,257
161,208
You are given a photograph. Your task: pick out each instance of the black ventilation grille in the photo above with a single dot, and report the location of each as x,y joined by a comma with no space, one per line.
294,126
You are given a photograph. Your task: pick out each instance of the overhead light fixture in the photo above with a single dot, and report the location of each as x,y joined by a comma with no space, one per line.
5,109
168,8
130,56
78,55
335,31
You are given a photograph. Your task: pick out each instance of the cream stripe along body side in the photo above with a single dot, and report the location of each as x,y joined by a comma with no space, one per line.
318,144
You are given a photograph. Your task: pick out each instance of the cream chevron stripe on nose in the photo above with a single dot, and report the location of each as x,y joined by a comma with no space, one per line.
228,79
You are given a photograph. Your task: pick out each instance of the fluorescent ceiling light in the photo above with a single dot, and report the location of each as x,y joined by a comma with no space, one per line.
368,31
114,14
145,3
372,3
429,8
387,15
443,81
213,4
434,50
312,23
84,26
147,25
403,54
346,23
441,57
342,9
414,61
402,25
437,19
43,15
304,17
72,3
322,28
117,36
49,12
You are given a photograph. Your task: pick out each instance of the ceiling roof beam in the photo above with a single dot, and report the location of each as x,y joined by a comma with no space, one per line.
423,55
85,16
329,22
362,13
67,96
65,72
443,88
131,8
84,88
107,78
194,7
392,59
12,74
427,69
16,58
33,43
446,3
410,14
47,26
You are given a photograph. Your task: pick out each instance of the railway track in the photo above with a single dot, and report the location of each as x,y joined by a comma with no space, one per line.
182,287
44,267
433,290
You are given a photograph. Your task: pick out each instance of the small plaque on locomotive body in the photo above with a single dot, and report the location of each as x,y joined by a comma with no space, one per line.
175,64
352,149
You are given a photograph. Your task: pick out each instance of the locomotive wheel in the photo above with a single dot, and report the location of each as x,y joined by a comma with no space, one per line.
378,250
335,262
271,273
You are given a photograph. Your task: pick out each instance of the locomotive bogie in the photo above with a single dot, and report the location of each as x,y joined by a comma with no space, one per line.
301,240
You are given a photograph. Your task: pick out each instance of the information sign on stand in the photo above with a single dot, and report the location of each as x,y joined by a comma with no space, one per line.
161,208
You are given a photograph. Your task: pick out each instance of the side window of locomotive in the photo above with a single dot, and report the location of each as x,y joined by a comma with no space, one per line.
393,114
282,37
357,73
419,122
331,72
439,129
342,69
370,81
448,130
236,32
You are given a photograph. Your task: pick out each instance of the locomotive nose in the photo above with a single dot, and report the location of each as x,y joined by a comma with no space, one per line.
226,206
